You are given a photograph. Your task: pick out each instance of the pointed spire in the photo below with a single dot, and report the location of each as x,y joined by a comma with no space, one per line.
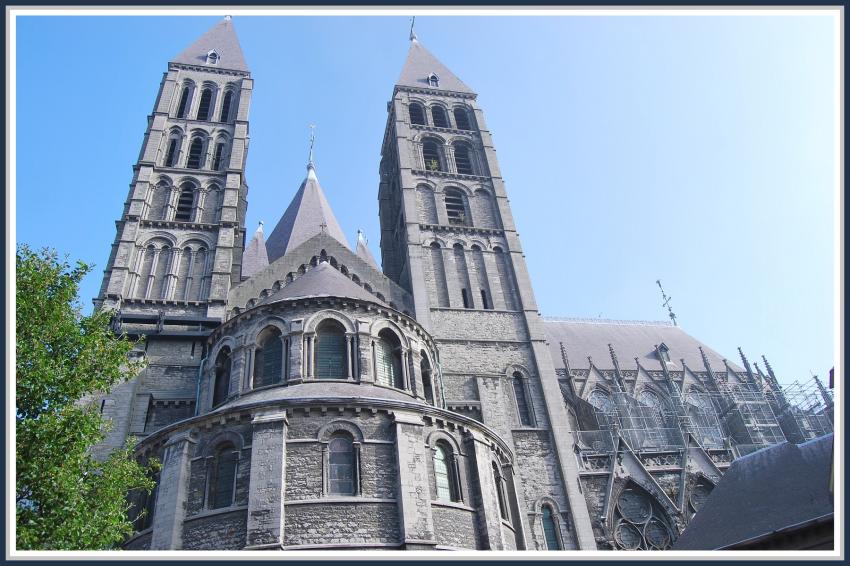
307,215
421,65
255,257
219,47
363,252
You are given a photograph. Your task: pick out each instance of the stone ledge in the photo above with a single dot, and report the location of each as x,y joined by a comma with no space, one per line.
452,505
339,500
213,512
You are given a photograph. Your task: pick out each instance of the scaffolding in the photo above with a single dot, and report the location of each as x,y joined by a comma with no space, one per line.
742,418
805,410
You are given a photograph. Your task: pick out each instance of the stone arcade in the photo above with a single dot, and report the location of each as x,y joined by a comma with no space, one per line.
301,397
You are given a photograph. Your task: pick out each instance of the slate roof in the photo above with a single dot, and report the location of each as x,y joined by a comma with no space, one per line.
321,390
363,251
222,38
777,487
303,219
630,339
420,64
322,281
255,257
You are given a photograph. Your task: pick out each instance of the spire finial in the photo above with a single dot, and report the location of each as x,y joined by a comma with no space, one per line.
226,18
260,226
412,32
361,236
312,141
666,302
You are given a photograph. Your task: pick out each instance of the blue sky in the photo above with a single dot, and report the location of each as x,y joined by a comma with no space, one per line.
697,150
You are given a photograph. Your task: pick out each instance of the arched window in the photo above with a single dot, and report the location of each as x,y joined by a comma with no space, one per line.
639,521
196,149
445,473
212,58
341,465
439,117
433,80
146,506
185,203
427,382
550,529
523,410
506,279
221,386
462,119
204,105
388,362
331,351
219,152
499,482
463,158
431,155
456,207
417,114
223,477
439,275
171,154
184,102
268,358
225,107
600,400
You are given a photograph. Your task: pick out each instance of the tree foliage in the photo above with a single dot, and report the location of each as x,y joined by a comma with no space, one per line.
65,498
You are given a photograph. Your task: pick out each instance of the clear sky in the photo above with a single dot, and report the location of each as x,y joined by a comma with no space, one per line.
697,150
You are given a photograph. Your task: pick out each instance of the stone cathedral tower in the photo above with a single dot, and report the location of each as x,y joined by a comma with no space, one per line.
447,236
178,246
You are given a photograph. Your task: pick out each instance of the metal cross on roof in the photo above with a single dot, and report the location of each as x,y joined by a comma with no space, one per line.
666,302
323,225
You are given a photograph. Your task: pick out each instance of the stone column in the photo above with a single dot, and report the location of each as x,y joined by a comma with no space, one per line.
414,492
296,349
268,481
170,511
171,276
364,352
349,361
152,274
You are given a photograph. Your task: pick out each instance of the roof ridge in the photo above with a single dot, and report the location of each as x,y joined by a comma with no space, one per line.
607,321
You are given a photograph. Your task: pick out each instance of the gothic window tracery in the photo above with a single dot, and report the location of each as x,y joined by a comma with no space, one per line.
639,521
520,394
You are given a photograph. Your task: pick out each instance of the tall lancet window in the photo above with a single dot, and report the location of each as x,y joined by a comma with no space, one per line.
205,104
225,107
196,149
184,102
221,384
417,113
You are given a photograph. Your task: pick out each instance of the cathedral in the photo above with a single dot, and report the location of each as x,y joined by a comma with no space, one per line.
302,395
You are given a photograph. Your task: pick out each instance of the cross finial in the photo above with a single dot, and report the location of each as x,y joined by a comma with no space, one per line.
312,141
666,302
323,225
412,33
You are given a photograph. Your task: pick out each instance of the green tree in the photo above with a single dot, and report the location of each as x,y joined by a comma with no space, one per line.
65,498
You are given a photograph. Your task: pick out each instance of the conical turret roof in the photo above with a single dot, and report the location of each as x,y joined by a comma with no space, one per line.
307,215
255,257
222,39
363,252
421,64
